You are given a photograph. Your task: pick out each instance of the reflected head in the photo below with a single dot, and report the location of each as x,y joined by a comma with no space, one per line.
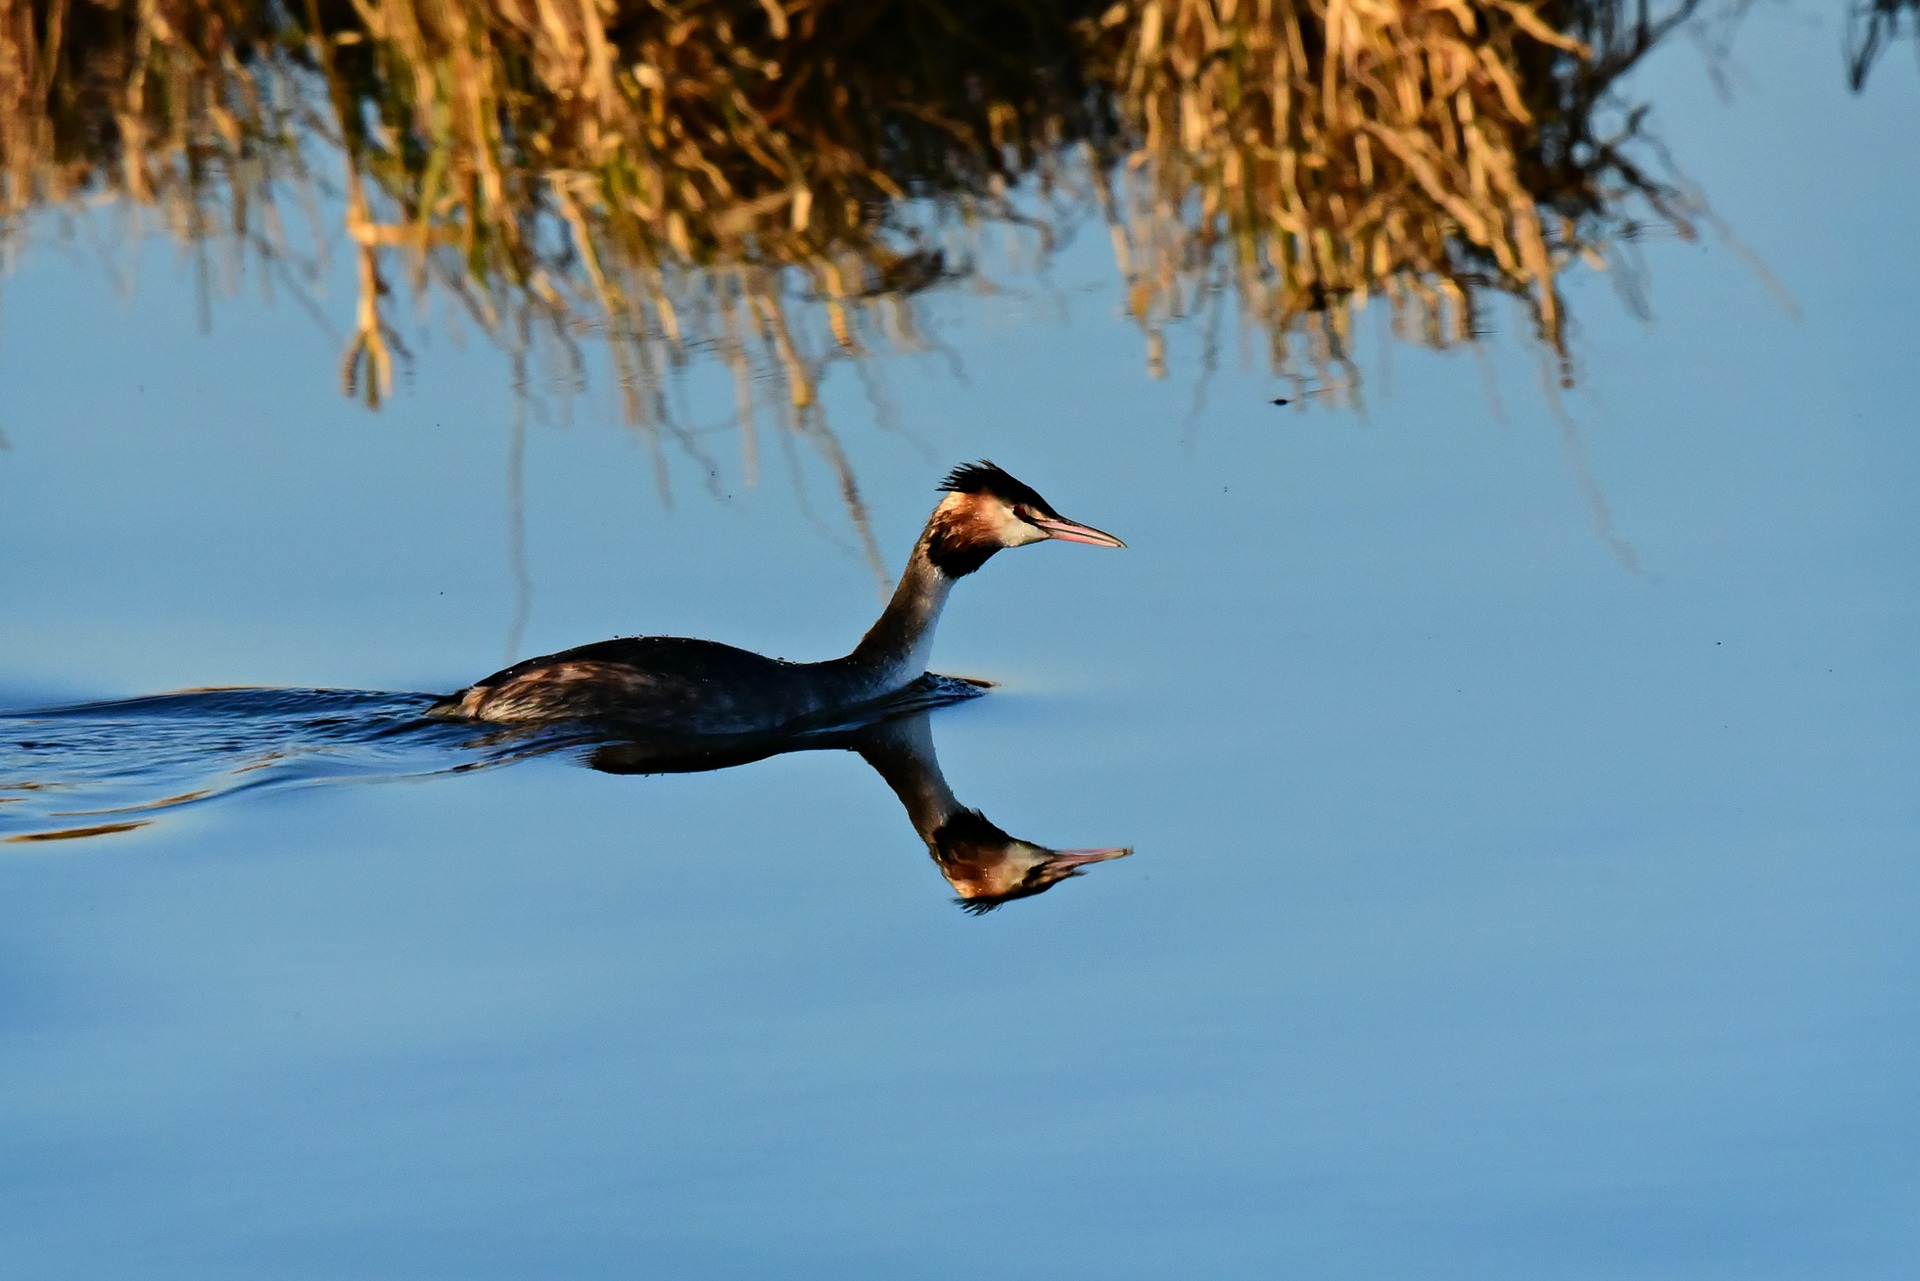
989,867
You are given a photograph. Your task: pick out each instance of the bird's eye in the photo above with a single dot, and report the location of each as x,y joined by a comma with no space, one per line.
1024,512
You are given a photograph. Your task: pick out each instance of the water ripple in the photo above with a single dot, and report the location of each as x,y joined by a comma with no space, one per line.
105,767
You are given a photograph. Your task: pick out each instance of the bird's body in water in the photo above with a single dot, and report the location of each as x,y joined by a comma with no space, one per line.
679,686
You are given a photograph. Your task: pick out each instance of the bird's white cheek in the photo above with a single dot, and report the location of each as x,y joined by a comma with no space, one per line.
1017,533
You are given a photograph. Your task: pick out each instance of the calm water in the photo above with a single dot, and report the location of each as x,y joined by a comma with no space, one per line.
1523,814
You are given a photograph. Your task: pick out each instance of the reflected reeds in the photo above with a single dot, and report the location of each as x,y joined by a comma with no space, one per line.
1300,159
772,182
1872,25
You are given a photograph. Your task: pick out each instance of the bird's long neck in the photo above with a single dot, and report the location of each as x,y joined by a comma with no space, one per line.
896,648
901,752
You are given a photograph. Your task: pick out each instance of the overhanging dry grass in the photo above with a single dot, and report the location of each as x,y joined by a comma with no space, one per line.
1872,25
1309,156
770,179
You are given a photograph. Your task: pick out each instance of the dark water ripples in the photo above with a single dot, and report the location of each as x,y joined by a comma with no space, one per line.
103,767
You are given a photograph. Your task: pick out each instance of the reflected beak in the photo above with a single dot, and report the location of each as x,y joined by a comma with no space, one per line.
1081,858
1070,532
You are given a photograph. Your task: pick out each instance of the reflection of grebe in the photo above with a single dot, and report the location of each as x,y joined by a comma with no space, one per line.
982,863
673,685
985,865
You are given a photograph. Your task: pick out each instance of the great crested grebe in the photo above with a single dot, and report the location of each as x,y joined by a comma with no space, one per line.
676,686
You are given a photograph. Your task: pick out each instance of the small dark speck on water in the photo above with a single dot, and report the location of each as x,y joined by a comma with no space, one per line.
1281,400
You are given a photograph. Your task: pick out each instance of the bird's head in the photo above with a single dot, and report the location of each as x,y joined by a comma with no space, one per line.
986,510
986,867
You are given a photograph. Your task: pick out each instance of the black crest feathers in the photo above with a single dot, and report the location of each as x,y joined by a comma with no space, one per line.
984,477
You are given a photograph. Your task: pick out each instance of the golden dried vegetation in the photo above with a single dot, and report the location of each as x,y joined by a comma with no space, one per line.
774,180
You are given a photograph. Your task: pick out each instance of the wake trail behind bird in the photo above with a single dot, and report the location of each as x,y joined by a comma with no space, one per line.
93,767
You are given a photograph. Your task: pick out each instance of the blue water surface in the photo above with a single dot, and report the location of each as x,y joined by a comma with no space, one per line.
1524,827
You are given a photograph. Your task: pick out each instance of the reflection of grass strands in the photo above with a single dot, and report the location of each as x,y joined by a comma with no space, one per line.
1871,26
738,173
663,164
1312,154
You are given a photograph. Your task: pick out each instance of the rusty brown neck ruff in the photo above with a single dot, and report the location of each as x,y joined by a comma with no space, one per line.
895,649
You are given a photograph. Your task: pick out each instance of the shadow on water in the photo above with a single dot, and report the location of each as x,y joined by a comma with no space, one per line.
94,769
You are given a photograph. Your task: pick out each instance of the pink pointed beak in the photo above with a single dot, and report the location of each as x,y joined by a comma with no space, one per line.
1068,531
1081,858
